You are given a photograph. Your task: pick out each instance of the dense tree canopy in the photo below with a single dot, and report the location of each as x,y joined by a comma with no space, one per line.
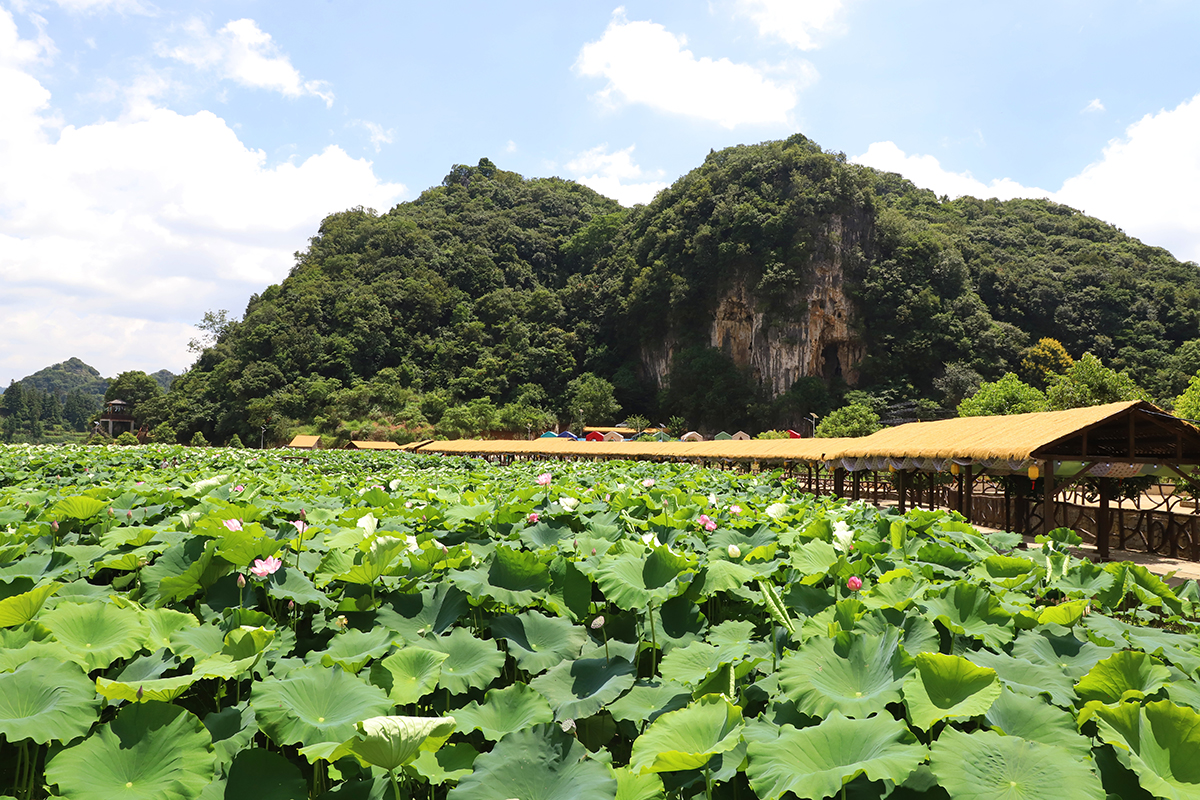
490,284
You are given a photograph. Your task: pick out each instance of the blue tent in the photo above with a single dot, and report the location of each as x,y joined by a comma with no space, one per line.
549,435
568,435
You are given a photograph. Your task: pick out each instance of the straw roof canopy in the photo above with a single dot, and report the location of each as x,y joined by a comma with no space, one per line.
1130,431
360,445
305,442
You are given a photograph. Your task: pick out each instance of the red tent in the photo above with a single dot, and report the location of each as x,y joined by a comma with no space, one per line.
595,436
793,434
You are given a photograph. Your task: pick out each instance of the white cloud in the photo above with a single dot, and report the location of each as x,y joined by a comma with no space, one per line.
928,173
377,134
647,64
244,53
609,173
90,6
793,21
1143,183
511,147
116,236
1093,107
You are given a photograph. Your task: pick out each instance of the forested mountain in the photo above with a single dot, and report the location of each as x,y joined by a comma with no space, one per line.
770,282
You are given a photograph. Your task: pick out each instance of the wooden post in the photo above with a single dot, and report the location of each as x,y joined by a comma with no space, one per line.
1103,518
1048,514
839,481
969,491
902,488
855,485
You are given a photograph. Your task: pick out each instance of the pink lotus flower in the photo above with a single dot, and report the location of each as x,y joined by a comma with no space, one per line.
239,488
301,525
544,479
648,483
265,566
532,518
735,509
233,524
854,584
708,523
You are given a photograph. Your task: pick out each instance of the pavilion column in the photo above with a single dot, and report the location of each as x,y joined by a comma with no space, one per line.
839,481
902,488
1048,515
855,485
969,490
1104,518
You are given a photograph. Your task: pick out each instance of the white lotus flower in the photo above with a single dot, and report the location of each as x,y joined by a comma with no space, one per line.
776,510
843,536
568,503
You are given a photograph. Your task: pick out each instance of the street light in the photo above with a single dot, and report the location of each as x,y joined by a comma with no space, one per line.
814,416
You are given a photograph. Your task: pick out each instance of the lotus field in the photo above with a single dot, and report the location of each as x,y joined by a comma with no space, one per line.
192,623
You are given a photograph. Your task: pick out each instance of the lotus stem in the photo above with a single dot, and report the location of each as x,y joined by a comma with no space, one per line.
395,784
653,639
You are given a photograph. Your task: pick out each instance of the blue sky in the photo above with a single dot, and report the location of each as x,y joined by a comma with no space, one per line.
158,160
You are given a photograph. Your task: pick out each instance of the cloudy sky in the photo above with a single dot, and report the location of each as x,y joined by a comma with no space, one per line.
162,159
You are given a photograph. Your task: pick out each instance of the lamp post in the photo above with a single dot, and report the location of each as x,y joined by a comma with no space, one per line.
814,416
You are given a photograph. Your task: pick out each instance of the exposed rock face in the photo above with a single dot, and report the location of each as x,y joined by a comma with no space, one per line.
817,338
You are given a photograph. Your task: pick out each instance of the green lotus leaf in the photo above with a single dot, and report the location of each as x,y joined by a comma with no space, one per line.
246,641
1159,741
633,582
1084,579
181,571
1182,650
504,711
258,774
1065,614
987,766
1072,656
690,665
513,577
233,730
1123,675
391,742
1184,692
816,762
635,785
855,674
17,609
1027,678
895,589
352,649
197,642
373,563
539,763
952,560
546,533
242,546
452,762
690,737
151,751
972,610
429,613
948,687
539,642
1035,720
291,584
813,559
163,623
96,634
315,705
570,592
650,699
470,663
580,688
411,673
78,508
723,576
46,700
162,690
1136,580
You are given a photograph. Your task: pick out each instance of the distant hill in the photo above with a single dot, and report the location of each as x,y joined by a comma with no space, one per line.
164,378
67,376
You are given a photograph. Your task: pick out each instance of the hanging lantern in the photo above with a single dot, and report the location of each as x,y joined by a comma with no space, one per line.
1034,472
953,468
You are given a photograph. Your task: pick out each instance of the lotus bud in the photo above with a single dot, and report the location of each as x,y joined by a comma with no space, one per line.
303,517
241,581
575,543
854,583
445,550
291,605
734,551
140,694
129,514
593,551
26,505
110,512
598,623
54,526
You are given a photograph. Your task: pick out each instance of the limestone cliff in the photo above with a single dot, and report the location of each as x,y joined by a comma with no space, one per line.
815,333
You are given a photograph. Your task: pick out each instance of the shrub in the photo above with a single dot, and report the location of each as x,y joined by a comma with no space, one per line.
235,441
127,438
198,440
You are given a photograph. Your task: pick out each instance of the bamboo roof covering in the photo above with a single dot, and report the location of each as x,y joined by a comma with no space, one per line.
1131,432
305,442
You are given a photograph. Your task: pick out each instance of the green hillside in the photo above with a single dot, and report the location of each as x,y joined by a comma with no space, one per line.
494,300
